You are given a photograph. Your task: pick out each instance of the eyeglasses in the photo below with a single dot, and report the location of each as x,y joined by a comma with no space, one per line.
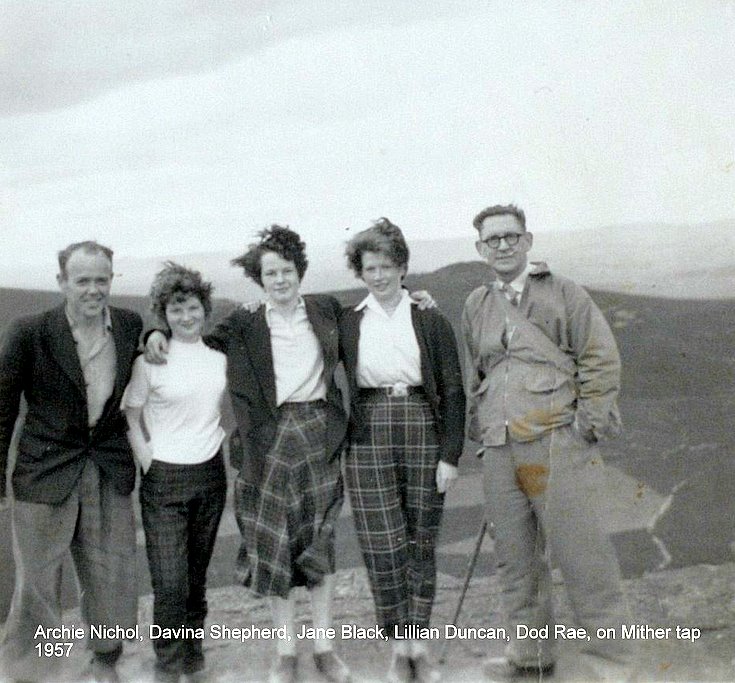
511,239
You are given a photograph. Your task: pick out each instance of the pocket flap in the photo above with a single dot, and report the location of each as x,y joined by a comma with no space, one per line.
545,381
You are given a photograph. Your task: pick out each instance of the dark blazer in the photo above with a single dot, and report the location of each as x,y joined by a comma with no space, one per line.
39,361
245,338
440,372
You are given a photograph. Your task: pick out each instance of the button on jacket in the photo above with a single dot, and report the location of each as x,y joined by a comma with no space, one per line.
39,361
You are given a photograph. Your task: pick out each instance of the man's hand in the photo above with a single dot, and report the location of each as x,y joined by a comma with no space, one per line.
144,456
423,299
251,306
446,475
4,502
156,348
587,434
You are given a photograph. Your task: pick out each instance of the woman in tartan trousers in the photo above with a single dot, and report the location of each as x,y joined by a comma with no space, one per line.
406,434
183,485
291,428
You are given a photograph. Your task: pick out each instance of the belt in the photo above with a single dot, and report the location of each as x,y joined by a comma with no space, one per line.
394,391
303,404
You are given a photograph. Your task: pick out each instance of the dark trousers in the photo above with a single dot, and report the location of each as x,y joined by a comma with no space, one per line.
181,508
391,477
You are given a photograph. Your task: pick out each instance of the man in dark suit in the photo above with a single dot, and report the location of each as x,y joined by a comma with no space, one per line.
74,469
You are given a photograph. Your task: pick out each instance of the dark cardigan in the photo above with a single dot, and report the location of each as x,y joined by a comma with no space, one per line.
245,338
440,371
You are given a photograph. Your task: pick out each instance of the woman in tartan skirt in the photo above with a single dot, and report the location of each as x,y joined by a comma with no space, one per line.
291,426
183,486
406,434
291,429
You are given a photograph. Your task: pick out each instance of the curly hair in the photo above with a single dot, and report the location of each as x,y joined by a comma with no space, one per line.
384,238
499,210
177,283
280,240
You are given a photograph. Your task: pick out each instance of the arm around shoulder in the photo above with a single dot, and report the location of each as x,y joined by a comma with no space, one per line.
225,330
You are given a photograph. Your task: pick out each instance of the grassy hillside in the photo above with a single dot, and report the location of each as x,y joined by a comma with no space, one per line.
677,402
669,347
678,357
19,302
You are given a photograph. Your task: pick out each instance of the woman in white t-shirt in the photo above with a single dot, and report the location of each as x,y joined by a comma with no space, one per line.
173,413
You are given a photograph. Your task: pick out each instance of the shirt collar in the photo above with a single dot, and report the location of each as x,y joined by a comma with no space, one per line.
532,268
106,319
270,308
373,304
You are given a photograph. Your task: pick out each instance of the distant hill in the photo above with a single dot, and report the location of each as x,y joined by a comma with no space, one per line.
678,397
687,262
19,302
672,261
671,347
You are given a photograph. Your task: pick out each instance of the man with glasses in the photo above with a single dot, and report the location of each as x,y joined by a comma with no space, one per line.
543,374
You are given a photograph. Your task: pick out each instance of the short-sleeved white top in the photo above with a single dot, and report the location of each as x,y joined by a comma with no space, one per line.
181,401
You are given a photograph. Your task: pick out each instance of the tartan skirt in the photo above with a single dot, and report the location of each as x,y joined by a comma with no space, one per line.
287,519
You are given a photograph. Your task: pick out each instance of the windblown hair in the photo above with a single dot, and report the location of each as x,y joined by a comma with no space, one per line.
88,247
384,238
280,240
499,210
177,283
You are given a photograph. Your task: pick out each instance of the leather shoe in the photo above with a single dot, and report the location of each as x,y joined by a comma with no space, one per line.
503,669
103,672
284,670
329,665
424,670
165,676
401,669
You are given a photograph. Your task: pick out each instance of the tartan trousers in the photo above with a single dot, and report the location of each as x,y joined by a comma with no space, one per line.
391,478
287,520
181,507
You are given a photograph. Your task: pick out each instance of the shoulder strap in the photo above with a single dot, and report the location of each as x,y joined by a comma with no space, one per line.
541,341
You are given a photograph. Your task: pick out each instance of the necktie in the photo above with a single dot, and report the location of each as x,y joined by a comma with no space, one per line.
510,293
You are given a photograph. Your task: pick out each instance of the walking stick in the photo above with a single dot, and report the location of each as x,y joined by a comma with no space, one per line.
468,575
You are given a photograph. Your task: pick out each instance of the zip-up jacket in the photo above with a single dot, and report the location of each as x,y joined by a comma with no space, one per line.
548,362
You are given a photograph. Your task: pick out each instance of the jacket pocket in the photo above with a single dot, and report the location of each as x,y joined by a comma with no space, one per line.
545,381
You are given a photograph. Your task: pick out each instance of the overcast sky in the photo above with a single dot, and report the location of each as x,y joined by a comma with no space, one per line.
178,125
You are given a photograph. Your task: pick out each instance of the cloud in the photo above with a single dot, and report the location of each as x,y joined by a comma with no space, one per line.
173,125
